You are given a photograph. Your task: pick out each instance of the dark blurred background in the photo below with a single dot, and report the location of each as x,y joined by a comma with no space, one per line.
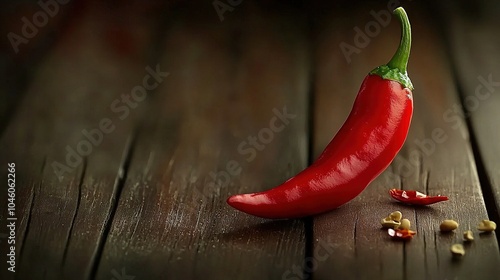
30,28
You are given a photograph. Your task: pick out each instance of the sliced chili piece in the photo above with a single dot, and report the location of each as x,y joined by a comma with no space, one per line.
404,234
415,197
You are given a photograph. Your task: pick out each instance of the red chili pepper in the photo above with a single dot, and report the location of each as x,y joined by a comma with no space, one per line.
416,198
364,146
404,234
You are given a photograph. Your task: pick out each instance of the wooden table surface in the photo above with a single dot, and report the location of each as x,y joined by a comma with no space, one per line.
130,123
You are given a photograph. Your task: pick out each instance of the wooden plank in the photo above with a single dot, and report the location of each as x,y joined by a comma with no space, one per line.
475,53
227,81
348,242
61,223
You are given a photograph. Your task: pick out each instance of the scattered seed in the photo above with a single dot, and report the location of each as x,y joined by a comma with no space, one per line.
457,249
448,225
405,224
468,235
487,226
389,223
396,216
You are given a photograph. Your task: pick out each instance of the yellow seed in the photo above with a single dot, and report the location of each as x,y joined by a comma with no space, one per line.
405,224
396,216
487,226
448,225
468,235
457,249
389,223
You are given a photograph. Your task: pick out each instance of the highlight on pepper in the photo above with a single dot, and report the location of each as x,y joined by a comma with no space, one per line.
365,145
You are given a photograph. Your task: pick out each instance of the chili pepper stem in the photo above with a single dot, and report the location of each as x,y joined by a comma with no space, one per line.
400,58
396,68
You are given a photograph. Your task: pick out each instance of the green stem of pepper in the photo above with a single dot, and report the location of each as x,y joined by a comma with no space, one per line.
400,58
396,68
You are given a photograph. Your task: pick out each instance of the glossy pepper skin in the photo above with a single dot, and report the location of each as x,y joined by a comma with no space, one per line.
365,145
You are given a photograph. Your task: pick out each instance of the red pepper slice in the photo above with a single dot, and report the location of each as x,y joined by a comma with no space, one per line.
416,198
404,234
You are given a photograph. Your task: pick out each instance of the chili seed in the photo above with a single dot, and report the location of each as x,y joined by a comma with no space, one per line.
448,225
457,249
389,223
405,224
468,235
396,216
487,226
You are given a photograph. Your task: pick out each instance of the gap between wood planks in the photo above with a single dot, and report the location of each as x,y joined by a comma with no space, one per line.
117,191
440,16
30,210
78,200
486,186
128,153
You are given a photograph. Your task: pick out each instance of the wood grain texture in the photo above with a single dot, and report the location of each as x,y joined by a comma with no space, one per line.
62,222
227,80
472,31
358,248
